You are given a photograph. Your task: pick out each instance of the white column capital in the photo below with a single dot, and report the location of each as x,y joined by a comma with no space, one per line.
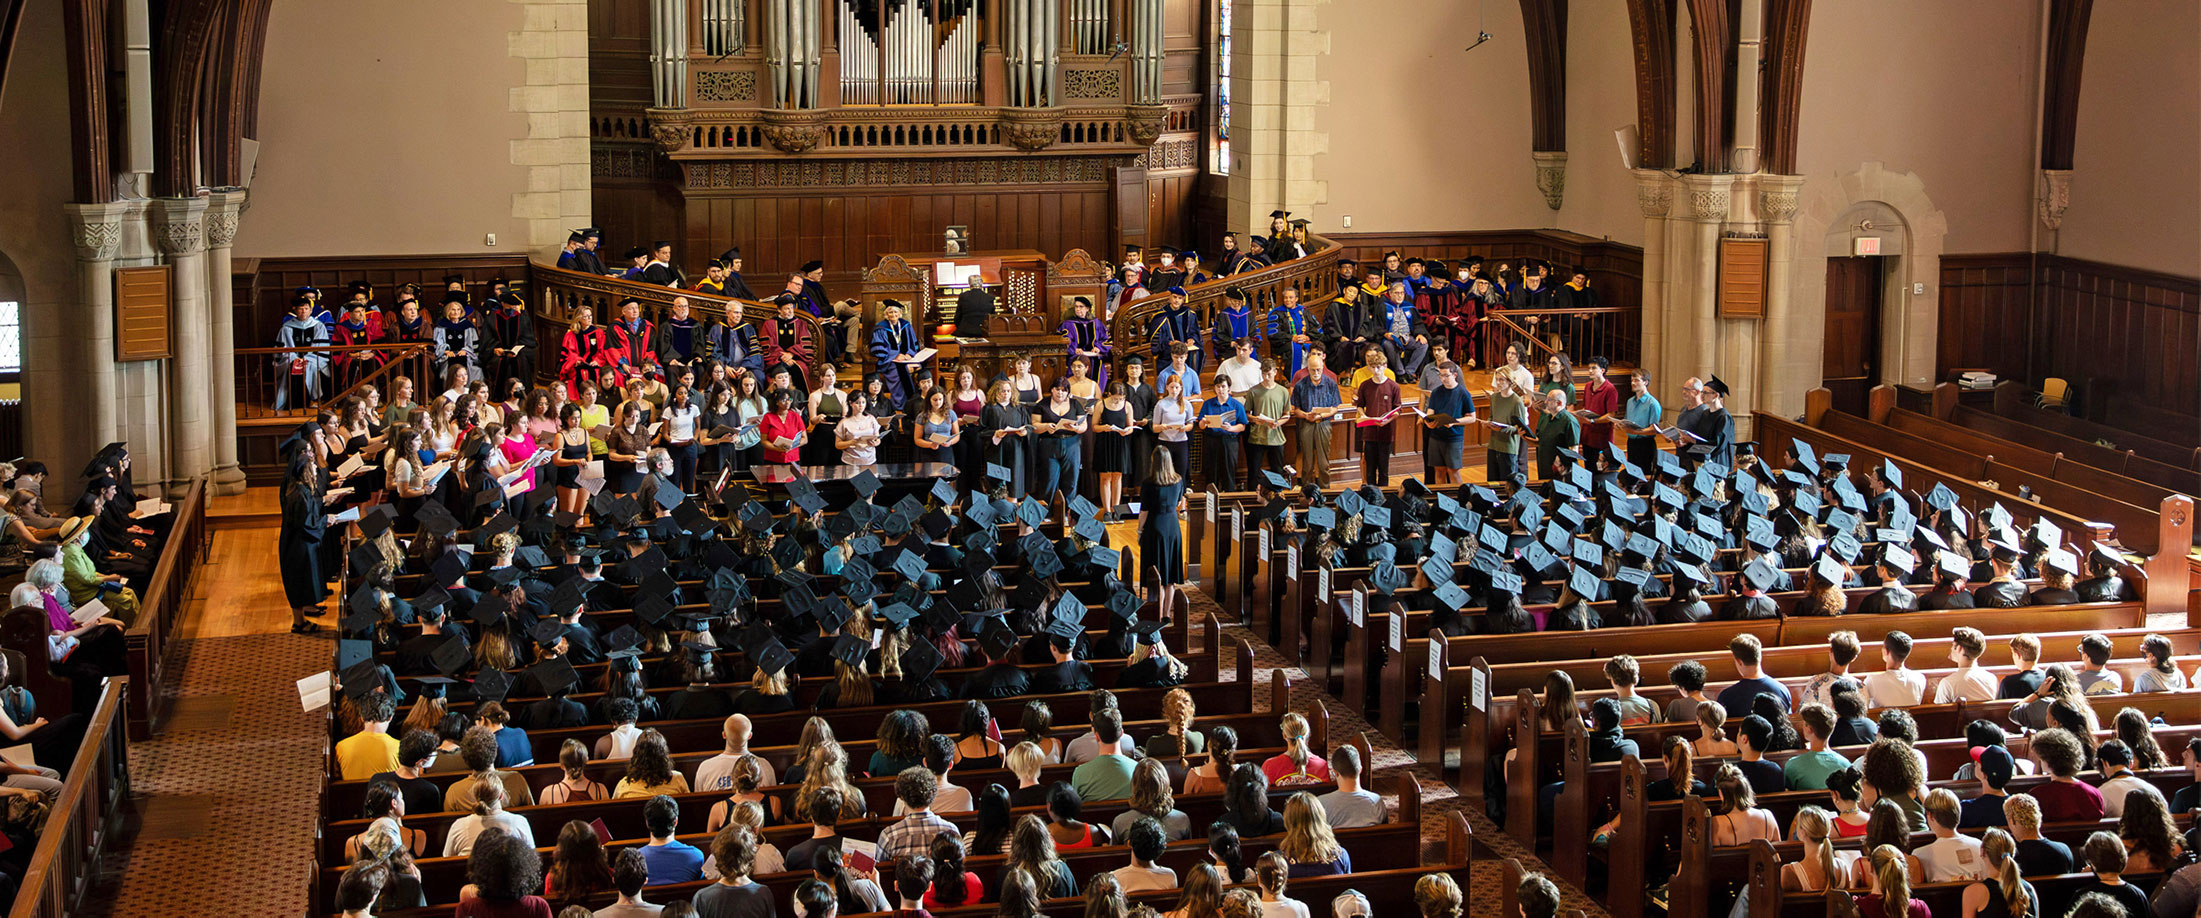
1707,196
179,225
222,208
1777,197
1654,192
96,229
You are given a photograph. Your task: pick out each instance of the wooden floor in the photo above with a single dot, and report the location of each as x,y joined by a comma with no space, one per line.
243,589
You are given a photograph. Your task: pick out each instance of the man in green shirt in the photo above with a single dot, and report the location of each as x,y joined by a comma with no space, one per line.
1808,770
1556,428
1108,775
1268,407
1507,416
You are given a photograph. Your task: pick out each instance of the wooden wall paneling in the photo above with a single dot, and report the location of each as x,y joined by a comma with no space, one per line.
1985,321
2113,332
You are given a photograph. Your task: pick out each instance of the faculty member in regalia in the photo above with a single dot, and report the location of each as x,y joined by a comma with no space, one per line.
586,354
892,337
1233,323
303,374
1287,331
1087,337
1173,324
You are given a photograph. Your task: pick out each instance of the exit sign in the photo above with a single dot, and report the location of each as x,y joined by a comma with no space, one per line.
1865,245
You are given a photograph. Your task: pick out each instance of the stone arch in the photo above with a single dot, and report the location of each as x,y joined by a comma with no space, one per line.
1909,302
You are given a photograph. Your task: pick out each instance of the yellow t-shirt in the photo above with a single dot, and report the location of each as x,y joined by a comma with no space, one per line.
592,418
363,755
628,787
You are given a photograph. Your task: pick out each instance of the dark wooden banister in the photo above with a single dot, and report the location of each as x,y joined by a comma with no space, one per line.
162,605
1313,275
83,817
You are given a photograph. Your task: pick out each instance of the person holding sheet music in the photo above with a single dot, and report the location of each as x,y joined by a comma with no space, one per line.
1223,424
1600,402
1377,397
827,405
297,549
517,447
1641,420
1060,423
1112,421
1447,410
1172,418
1710,435
720,424
626,444
682,435
1315,402
1502,460
936,431
1005,424
857,435
1556,429
782,431
1268,410
895,348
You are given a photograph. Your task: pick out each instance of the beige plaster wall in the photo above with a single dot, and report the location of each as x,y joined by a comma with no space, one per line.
2136,170
380,136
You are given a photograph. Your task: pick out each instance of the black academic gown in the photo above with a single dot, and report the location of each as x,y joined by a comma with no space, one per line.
698,702
2049,596
298,546
1941,600
1147,673
2007,594
507,330
1744,607
2102,589
998,680
1888,599
1067,676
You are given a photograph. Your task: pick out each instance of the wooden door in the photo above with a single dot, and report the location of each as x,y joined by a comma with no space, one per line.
1852,330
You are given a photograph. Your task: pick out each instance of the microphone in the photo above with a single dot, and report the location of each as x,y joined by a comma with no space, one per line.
1480,37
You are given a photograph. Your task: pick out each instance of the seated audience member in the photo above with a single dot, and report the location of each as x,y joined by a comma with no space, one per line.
1037,721
414,754
574,782
1107,774
1764,777
2025,651
912,878
1971,681
479,750
670,859
385,804
1995,767
1437,896
1147,841
1201,895
1178,738
915,791
1246,804
951,884
1688,676
1808,769
940,759
650,771
1712,741
1086,745
2162,673
2180,893
1272,873
1897,685
1635,710
2114,759
2004,889
1297,764
766,859
1308,840
1680,761
1822,865
578,867
824,808
2095,676
2189,796
360,892
488,812
1222,755
1893,773
1607,742
1851,726
1842,650
629,874
1949,857
1351,805
2064,798
1032,854
1151,799
1887,827
1890,887
1846,789
735,895
513,750
1741,821
449,732
2105,858
505,874
1065,819
853,894
996,822
1750,681
2149,834
372,749
717,772
748,789
901,744
1025,761
2037,856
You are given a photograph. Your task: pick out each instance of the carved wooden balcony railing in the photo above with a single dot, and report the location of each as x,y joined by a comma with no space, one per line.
1314,276
350,368
558,294
721,133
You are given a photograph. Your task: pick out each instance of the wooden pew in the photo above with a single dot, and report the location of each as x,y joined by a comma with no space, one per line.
2083,450
2014,402
161,607
85,817
2165,587
1390,892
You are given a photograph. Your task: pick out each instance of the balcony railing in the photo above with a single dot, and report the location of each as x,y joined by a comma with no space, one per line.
1313,275
1612,332
263,373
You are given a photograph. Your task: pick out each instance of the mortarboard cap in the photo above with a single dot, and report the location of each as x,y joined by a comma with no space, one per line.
492,685
1451,596
1897,558
1147,632
919,662
850,650
1828,571
2057,559
1953,565
997,638
555,676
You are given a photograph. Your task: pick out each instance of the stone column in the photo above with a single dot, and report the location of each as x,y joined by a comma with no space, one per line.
221,228
1654,194
179,228
1708,200
90,387
1777,209
1275,49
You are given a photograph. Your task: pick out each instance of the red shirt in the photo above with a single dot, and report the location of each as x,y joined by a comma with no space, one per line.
973,890
781,425
1602,399
1376,400
526,907
2062,802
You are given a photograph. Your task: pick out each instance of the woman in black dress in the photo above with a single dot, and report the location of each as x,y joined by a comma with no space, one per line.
1161,535
1112,445
298,545
1059,442
1141,396
1003,427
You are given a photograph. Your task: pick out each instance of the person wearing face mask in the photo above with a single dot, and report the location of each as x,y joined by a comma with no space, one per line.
83,579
